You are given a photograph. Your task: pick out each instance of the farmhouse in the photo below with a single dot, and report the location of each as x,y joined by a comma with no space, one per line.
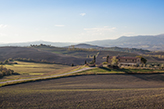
128,61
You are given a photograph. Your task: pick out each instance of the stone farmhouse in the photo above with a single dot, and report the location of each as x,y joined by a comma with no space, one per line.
126,61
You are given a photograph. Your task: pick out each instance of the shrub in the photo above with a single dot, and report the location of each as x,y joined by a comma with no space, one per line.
72,64
114,61
5,72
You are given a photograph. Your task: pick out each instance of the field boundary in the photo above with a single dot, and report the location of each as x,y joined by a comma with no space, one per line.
69,74
19,81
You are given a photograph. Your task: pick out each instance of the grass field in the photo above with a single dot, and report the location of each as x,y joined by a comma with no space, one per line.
82,92
107,70
30,70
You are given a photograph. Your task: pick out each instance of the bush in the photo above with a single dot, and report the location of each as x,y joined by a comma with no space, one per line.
5,72
72,65
113,66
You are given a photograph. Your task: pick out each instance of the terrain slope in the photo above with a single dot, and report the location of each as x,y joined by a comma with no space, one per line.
27,52
94,91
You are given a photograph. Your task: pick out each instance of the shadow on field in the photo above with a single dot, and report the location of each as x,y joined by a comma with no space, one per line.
143,76
105,68
150,77
15,73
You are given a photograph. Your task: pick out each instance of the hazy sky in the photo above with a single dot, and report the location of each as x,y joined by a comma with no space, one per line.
78,20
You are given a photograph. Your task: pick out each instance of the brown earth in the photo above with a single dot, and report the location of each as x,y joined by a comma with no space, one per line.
26,52
87,92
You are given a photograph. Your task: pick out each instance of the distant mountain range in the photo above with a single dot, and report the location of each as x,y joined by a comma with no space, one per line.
141,42
144,42
57,44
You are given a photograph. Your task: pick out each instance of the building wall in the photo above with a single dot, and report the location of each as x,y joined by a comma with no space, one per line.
126,60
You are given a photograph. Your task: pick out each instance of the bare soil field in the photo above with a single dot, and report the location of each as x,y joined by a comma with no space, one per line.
113,91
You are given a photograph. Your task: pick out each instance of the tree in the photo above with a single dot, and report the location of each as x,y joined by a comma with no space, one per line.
114,61
85,62
143,60
94,59
107,58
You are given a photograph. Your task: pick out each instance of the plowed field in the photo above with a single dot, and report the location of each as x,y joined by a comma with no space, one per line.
87,92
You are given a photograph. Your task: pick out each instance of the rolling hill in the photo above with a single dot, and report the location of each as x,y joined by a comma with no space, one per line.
129,50
143,42
148,42
35,54
61,55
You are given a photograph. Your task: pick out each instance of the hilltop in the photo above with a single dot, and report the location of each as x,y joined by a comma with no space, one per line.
89,46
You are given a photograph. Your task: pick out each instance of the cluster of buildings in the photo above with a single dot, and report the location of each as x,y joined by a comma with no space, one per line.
126,61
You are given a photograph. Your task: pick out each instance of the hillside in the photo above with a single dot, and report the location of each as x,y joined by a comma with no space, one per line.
25,52
83,53
89,53
144,42
89,46
70,56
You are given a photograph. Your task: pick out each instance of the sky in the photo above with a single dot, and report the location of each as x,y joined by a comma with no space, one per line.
78,20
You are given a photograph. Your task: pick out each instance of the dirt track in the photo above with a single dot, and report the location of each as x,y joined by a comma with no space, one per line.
94,91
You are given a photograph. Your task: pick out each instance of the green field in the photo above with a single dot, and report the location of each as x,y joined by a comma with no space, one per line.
116,91
107,70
